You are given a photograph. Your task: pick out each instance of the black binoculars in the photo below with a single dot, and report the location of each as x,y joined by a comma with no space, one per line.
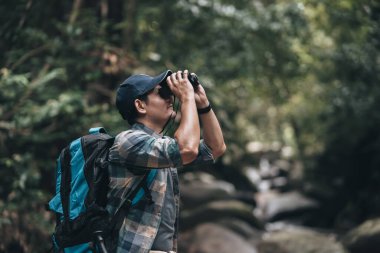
193,78
165,91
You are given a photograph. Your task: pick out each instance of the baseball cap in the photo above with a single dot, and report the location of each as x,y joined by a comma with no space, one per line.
135,86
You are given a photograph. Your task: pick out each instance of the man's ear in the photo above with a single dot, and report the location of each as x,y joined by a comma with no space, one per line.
140,106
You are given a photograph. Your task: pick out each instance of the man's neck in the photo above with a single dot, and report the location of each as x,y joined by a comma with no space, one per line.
157,129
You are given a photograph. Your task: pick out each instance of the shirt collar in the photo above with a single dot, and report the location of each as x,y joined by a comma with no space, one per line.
140,126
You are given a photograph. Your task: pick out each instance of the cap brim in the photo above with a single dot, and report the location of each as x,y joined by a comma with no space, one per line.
156,81
161,78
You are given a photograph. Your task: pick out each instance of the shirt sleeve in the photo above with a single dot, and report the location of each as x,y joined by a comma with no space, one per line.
140,149
204,155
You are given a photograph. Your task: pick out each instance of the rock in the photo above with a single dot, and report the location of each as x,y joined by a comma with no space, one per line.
281,206
213,238
319,191
196,193
266,169
365,238
280,183
200,189
218,210
299,240
198,176
241,227
284,167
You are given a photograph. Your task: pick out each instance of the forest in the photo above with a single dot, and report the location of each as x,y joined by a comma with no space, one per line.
295,85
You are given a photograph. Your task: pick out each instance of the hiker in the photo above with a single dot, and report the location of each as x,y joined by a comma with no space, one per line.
147,103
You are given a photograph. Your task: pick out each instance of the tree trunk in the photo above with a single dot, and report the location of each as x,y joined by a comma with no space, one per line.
130,11
75,11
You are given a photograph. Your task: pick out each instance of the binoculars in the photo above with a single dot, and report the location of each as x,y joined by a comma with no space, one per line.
165,91
193,78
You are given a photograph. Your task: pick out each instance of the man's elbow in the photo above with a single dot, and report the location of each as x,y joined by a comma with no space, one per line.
189,154
217,152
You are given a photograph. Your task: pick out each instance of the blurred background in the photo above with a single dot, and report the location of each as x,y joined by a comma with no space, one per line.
295,85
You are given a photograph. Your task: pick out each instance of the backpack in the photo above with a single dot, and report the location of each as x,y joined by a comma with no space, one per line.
82,222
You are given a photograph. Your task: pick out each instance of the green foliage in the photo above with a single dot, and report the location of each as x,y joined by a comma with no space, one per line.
50,94
349,164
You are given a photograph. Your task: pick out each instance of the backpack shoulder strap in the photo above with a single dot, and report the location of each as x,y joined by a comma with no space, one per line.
118,218
65,188
145,189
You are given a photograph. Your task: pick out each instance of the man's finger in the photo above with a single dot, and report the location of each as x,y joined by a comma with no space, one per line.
173,77
179,75
185,73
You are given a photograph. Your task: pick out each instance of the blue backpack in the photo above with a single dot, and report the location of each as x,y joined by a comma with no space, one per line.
82,221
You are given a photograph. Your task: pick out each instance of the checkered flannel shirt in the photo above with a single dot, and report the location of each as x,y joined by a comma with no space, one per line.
134,152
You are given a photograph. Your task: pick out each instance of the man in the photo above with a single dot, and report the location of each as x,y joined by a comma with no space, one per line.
152,226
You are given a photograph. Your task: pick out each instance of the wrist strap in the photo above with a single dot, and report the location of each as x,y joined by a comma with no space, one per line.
204,110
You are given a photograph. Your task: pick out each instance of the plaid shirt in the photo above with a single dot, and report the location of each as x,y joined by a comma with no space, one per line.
134,152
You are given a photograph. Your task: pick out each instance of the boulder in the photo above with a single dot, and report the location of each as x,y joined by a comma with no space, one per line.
197,192
299,240
241,227
201,188
218,210
213,238
290,204
365,238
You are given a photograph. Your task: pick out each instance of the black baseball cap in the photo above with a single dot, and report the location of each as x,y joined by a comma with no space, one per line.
135,86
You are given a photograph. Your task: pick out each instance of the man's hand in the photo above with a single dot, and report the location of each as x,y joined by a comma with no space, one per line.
201,99
180,85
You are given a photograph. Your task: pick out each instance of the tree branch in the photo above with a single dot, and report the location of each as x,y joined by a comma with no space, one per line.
23,18
75,11
29,54
27,94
